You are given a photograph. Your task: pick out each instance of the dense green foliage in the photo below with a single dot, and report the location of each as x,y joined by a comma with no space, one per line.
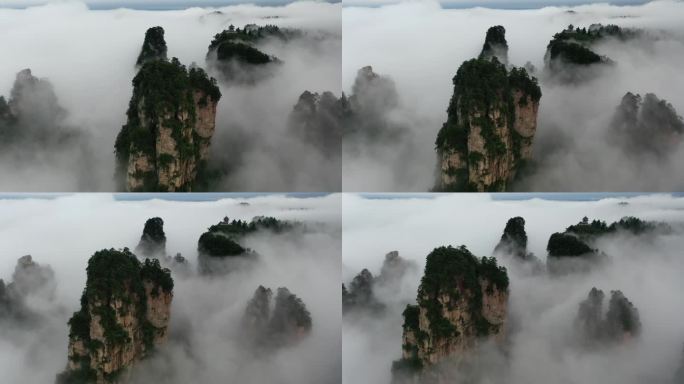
457,273
495,42
251,34
483,88
154,46
572,44
162,90
241,52
514,232
630,224
160,277
571,52
567,245
241,228
113,276
218,245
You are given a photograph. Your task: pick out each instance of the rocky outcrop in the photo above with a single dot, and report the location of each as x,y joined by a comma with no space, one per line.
569,56
153,240
154,46
491,122
462,301
219,247
495,45
646,126
618,325
233,54
514,239
268,325
124,315
171,120
317,120
492,119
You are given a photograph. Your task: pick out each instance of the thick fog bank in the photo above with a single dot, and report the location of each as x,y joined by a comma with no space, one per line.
543,343
420,46
88,56
206,343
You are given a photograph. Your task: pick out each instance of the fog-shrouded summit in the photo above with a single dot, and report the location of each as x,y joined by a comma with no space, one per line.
221,248
569,54
317,120
154,46
29,279
34,131
462,302
164,145
491,122
495,45
598,328
125,312
646,126
274,323
233,53
153,240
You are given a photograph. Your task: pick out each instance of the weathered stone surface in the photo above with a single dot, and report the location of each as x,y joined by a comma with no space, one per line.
125,313
462,302
492,119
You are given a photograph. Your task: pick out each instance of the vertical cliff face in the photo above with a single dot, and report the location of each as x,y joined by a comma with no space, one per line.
462,300
276,324
492,119
171,120
124,315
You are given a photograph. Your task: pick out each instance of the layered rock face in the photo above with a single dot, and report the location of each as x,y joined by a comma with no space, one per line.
124,315
154,46
153,239
619,324
171,120
462,301
646,126
274,325
495,45
492,119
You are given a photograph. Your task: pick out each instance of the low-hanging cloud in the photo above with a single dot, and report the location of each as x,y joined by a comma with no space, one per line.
542,338
205,343
88,56
420,46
